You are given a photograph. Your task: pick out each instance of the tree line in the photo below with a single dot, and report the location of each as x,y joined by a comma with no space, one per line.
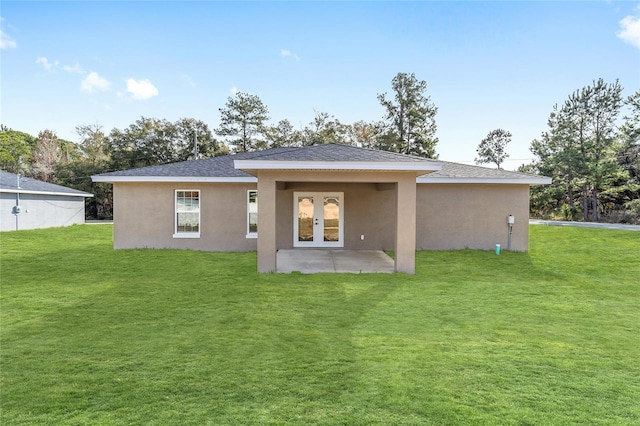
592,159
409,126
593,156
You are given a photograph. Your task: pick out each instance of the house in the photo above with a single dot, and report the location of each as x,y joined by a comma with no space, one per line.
27,203
332,196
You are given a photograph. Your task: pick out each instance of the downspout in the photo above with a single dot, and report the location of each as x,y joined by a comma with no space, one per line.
17,208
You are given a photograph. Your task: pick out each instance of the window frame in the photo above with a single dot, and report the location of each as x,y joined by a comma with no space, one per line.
251,234
188,234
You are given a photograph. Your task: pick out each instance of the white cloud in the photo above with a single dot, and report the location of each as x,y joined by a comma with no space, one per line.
288,54
630,30
46,64
234,90
73,69
7,42
141,89
93,82
55,65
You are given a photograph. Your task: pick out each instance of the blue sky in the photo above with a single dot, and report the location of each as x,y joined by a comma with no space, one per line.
486,64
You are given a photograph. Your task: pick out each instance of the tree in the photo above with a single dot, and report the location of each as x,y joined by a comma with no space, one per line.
193,137
242,120
144,143
282,135
578,149
150,141
492,149
77,174
325,128
367,135
628,154
94,159
93,143
46,156
410,116
601,102
15,150
557,158
544,200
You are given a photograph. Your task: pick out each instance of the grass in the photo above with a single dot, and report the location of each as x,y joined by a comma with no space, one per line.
90,335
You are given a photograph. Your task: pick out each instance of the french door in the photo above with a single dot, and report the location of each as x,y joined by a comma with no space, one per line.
318,219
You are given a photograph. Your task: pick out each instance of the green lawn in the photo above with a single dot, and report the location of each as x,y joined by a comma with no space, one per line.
90,335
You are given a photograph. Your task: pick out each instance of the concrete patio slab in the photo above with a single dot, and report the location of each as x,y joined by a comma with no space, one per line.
313,261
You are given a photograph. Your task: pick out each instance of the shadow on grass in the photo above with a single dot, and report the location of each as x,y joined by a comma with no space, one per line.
166,327
92,335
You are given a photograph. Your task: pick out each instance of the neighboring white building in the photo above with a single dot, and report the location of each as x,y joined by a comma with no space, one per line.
27,203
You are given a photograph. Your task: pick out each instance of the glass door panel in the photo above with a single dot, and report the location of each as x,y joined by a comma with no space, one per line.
331,216
318,219
305,218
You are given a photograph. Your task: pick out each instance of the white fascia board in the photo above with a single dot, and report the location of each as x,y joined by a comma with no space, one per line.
336,165
191,179
504,181
26,191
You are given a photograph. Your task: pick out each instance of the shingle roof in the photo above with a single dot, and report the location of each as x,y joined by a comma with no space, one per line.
9,183
208,167
223,167
466,171
337,152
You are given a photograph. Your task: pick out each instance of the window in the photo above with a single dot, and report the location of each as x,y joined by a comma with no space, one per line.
187,214
252,214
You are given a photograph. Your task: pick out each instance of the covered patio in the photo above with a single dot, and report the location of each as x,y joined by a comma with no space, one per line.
313,261
324,167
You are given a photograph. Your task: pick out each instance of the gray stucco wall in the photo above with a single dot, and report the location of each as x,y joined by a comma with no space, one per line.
458,216
368,211
40,211
143,216
449,216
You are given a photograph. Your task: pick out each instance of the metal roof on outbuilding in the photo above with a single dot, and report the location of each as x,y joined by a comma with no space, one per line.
13,183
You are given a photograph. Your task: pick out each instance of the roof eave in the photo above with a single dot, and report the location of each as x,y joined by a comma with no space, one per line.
32,192
504,181
192,179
